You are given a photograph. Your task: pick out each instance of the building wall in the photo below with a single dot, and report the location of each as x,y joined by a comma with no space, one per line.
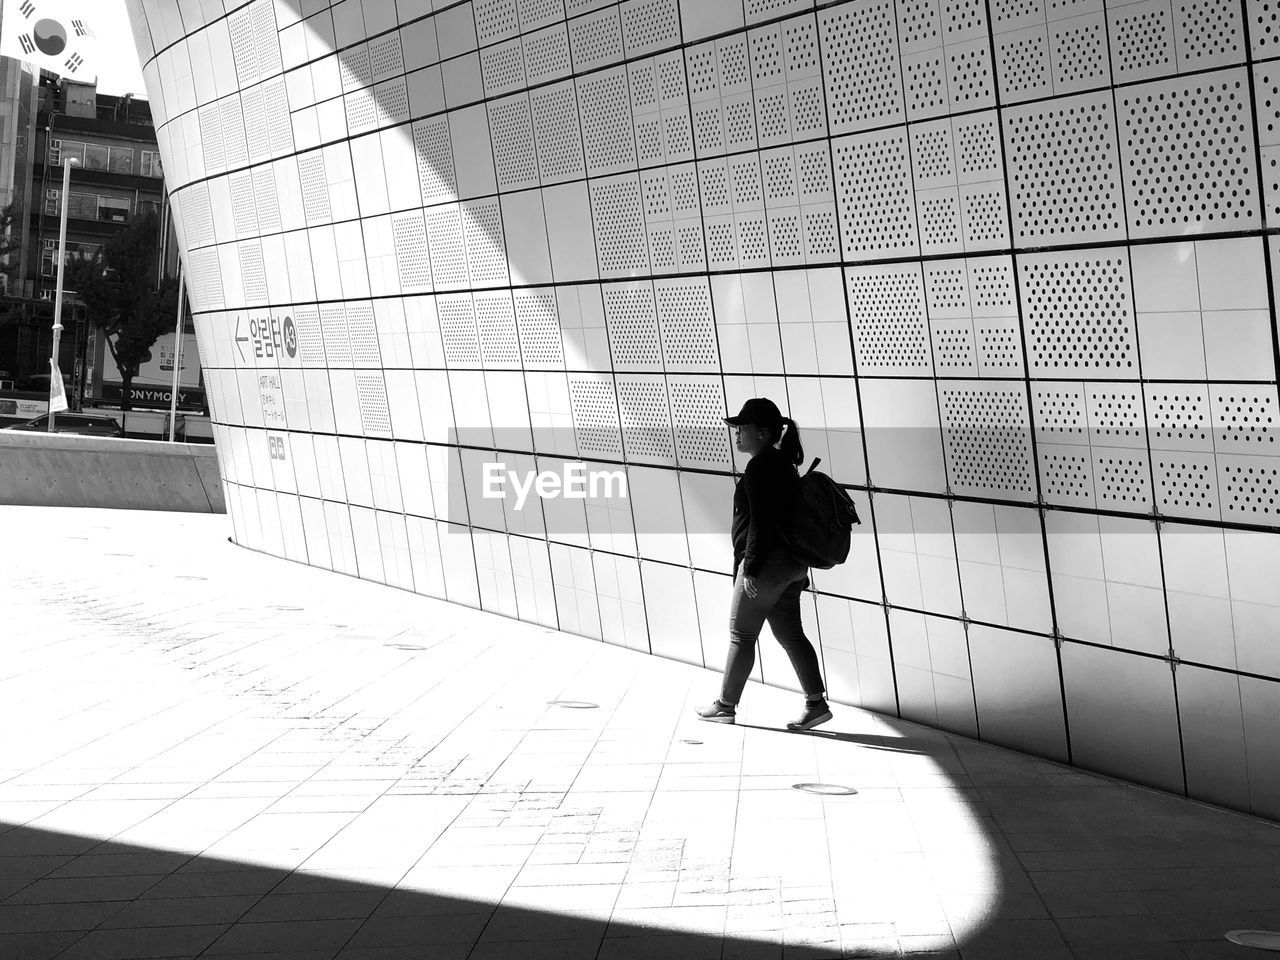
1004,262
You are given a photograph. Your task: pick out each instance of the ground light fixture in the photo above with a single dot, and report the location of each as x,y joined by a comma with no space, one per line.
825,789
1258,939
573,704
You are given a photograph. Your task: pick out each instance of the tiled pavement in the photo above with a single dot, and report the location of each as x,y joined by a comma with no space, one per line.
206,752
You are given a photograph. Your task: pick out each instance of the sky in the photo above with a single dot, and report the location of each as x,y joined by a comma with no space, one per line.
118,70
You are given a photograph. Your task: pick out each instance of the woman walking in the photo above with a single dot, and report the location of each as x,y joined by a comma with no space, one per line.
767,579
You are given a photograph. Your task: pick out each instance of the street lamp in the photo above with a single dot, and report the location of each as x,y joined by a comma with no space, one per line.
55,375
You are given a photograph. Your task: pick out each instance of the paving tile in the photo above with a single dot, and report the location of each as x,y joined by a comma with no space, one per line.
286,764
419,930
144,943
36,946
85,889
291,935
186,911
47,917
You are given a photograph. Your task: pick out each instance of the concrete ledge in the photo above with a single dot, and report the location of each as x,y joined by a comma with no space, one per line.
65,470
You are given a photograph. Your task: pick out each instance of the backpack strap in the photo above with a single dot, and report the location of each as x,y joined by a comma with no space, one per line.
813,466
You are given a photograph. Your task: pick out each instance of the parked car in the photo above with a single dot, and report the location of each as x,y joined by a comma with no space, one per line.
88,424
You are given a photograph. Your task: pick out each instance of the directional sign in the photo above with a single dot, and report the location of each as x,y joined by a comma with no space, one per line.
290,337
271,395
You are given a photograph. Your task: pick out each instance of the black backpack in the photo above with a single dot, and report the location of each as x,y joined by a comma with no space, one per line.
822,517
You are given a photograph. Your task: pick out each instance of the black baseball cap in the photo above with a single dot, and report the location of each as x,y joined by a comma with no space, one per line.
757,410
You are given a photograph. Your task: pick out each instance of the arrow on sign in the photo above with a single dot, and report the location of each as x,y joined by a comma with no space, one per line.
240,340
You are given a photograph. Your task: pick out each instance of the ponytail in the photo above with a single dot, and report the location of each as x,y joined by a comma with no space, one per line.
789,443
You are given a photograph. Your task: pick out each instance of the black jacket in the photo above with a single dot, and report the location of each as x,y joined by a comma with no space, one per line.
762,501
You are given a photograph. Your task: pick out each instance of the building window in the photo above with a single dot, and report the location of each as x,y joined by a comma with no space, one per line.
151,164
96,156
88,206
114,209
75,251
92,156
121,160
65,148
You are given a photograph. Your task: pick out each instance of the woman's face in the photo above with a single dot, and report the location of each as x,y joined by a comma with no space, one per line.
750,438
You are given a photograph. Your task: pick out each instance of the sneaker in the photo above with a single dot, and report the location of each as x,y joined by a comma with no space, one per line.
718,713
815,712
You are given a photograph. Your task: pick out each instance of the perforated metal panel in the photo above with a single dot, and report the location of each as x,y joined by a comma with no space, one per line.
1208,34
413,260
266,197
606,122
538,327
887,312
860,65
986,431
764,9
1264,27
211,142
234,143
253,272
1188,159
1064,171
1079,315
496,325
496,20
646,419
595,39
1117,435
266,39
632,318
434,150
875,196
687,326
255,124
502,67
458,330
546,54
243,40
559,138
375,416
649,25
315,187
595,416
447,246
486,253
539,13
365,351
1141,37
973,318
697,405
617,213
243,205
333,327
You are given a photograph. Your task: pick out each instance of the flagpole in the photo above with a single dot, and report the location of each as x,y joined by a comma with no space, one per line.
177,354
62,264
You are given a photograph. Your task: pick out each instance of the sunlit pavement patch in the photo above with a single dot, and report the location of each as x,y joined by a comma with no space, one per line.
192,716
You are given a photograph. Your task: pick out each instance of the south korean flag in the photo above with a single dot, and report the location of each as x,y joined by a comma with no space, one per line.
51,34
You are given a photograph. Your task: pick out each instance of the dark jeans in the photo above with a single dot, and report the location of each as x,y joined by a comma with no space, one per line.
777,600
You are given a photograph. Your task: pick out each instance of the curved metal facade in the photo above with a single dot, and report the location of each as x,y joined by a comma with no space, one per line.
1005,262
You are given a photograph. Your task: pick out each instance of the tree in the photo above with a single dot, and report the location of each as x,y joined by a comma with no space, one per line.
10,244
118,288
